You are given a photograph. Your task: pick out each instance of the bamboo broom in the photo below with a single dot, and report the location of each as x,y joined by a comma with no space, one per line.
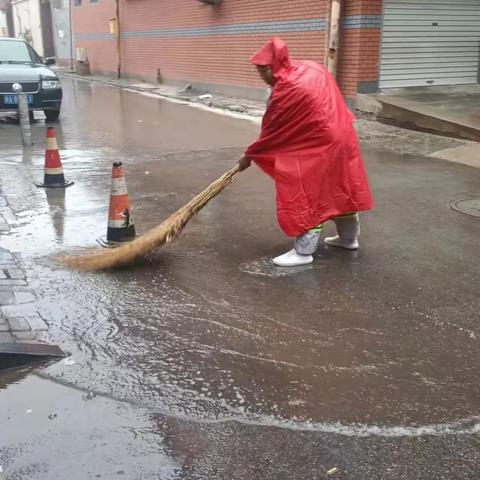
166,232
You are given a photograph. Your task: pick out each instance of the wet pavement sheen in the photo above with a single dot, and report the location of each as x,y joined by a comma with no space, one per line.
209,363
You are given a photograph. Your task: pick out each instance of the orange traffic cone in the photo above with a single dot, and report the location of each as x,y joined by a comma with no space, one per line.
54,177
120,221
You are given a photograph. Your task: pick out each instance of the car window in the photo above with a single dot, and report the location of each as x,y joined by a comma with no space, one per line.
14,52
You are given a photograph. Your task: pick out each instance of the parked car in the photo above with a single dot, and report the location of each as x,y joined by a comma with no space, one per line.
19,63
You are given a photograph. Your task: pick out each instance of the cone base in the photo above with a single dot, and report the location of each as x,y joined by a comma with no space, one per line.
54,185
103,242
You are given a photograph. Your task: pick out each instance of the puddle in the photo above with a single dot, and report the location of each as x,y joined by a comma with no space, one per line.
200,332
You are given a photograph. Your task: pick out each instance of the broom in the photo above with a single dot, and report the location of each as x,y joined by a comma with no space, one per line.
166,232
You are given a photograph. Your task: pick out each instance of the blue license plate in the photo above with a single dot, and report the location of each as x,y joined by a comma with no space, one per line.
13,99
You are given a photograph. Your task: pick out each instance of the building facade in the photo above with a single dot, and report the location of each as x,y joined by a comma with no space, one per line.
5,18
61,16
26,21
383,43
3,24
30,20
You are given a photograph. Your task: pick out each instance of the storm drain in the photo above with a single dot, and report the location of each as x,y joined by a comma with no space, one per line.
468,207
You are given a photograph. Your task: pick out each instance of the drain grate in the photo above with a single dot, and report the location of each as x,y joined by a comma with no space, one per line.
468,207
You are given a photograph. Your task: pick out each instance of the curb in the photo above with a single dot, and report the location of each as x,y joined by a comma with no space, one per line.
250,110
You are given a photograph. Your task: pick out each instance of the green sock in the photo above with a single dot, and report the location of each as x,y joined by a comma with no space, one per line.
316,229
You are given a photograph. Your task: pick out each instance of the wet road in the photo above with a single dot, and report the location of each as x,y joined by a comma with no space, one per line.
209,363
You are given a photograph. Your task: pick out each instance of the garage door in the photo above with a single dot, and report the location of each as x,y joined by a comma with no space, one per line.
430,43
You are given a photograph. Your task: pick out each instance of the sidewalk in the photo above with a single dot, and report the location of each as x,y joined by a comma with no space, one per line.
447,110
19,319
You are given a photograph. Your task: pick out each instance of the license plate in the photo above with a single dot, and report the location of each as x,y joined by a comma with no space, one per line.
13,99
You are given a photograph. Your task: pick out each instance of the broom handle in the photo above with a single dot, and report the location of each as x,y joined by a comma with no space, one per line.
181,217
199,201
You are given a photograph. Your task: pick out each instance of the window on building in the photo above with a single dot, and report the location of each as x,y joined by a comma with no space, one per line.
78,2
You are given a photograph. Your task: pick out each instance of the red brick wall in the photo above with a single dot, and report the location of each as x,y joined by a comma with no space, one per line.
144,14
362,7
210,59
93,18
101,55
359,48
220,59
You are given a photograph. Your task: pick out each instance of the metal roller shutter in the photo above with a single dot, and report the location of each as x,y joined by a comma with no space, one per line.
434,42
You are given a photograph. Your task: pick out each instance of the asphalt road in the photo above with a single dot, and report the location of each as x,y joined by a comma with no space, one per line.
210,363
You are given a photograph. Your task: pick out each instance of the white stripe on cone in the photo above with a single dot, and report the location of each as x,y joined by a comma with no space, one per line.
119,223
119,186
52,143
53,171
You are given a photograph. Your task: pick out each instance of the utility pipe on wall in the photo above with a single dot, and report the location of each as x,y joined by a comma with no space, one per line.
334,36
70,33
118,38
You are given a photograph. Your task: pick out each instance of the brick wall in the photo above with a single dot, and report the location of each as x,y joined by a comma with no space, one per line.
92,20
192,42
360,46
218,60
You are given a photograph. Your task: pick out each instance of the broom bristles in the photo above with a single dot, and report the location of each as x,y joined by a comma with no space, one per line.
166,232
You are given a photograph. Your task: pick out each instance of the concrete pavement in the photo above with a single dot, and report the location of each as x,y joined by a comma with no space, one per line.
447,110
18,318
208,362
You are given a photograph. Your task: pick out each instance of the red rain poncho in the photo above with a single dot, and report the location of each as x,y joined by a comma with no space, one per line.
308,144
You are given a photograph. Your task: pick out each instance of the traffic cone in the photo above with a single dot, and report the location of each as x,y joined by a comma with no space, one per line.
120,221
54,177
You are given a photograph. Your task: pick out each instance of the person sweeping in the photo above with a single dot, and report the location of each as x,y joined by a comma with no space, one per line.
309,147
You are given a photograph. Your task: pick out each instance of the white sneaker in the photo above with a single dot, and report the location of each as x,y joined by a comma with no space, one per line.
338,242
292,259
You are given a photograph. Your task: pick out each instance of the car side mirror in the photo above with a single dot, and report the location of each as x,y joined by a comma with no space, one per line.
50,61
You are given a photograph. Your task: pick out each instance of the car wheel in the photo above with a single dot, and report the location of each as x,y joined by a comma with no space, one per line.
52,115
